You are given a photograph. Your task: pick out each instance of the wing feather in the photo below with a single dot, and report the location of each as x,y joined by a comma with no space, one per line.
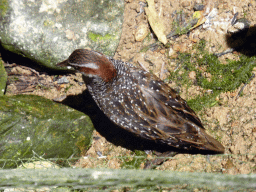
155,111
174,118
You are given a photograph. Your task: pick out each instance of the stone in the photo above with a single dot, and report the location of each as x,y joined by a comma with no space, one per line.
48,31
35,126
141,32
63,80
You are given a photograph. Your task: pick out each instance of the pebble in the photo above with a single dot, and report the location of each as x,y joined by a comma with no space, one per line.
192,75
63,80
141,32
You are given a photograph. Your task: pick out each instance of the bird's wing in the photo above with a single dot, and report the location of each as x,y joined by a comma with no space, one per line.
168,118
150,109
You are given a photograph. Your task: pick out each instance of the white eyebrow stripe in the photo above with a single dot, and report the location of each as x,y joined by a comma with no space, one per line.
87,65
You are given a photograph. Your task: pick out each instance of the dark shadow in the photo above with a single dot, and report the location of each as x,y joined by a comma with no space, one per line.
243,41
113,133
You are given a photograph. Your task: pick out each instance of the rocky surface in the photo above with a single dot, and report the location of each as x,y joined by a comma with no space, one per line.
33,127
48,31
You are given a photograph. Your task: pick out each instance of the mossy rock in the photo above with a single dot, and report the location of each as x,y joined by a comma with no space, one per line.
32,126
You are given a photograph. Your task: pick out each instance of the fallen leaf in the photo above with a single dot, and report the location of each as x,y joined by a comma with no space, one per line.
201,19
155,22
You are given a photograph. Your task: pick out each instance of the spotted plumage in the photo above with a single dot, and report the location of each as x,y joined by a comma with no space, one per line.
141,103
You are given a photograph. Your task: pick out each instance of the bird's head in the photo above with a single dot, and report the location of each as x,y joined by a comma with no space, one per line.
91,64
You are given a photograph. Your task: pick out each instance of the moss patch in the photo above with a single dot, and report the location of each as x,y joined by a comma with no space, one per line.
3,7
135,161
97,37
220,77
34,125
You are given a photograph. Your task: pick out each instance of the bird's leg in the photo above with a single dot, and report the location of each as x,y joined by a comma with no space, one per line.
161,157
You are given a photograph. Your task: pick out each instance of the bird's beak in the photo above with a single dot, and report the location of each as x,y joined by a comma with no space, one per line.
64,64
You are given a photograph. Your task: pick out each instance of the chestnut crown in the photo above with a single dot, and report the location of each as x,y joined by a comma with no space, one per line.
91,63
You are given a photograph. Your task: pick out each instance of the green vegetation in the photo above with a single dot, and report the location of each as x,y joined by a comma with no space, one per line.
211,74
48,23
3,78
3,7
97,37
135,161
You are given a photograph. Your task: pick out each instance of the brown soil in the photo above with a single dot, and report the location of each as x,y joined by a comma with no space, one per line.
233,123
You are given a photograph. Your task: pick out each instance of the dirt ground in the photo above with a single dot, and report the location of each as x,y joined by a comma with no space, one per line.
233,122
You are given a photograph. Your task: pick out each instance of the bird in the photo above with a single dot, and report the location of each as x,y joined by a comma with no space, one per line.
138,102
